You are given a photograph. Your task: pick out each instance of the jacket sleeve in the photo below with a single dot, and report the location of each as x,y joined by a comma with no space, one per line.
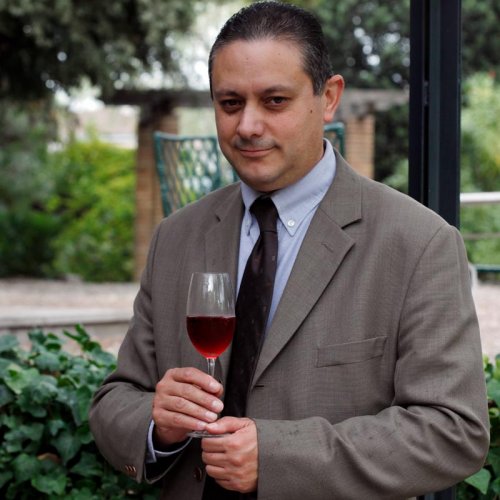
435,432
121,410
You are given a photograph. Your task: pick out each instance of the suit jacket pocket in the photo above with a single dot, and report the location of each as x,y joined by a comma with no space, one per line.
352,352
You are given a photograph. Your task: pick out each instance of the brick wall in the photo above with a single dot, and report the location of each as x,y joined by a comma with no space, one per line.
360,143
147,196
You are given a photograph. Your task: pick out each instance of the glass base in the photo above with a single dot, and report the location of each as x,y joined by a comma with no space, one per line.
205,434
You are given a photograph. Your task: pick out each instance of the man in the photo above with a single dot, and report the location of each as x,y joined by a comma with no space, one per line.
369,380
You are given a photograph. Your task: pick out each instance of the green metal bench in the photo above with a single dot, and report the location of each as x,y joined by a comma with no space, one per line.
189,167
335,133
494,269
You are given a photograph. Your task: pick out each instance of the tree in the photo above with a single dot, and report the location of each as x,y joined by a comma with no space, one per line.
368,41
48,44
370,46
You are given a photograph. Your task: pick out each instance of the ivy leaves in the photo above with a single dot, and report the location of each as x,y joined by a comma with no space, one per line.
485,484
47,448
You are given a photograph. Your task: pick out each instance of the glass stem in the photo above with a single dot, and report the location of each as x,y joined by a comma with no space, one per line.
211,366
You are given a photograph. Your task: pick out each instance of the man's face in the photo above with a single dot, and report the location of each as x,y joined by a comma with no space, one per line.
269,122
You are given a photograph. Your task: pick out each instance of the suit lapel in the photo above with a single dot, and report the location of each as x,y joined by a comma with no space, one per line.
323,250
222,242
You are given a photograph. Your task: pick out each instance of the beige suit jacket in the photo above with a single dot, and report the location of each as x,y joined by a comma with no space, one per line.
369,384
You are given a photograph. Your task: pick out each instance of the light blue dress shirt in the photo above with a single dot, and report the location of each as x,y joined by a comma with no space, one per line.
296,205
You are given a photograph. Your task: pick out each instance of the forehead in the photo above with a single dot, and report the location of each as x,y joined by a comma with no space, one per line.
265,61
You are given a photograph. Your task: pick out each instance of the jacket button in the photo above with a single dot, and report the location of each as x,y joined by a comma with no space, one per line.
130,470
198,474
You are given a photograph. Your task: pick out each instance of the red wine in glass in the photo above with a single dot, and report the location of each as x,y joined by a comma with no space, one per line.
210,319
211,335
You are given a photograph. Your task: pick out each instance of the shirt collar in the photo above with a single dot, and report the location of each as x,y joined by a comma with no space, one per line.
294,202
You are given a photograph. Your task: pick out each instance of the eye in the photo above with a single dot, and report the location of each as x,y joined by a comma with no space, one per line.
277,101
230,104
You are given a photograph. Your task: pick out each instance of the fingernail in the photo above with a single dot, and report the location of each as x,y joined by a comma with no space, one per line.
214,386
210,415
217,405
201,425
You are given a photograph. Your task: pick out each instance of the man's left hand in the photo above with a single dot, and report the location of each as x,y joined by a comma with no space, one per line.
232,460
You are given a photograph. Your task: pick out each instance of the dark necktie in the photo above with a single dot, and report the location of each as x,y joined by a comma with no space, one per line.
252,311
252,308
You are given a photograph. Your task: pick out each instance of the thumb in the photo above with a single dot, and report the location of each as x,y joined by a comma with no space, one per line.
227,425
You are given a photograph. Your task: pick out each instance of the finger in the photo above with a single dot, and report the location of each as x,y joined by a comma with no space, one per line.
212,445
231,480
171,420
193,376
216,472
236,442
214,459
181,396
175,408
228,425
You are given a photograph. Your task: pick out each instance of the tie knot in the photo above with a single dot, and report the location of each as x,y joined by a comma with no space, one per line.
265,212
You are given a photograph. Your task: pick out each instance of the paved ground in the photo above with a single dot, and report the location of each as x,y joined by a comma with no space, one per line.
106,308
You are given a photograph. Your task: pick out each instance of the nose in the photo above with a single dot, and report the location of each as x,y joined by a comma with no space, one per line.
251,123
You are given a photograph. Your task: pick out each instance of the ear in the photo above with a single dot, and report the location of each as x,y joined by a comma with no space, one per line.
332,93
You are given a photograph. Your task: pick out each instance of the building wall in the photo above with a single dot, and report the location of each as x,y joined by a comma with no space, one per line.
147,197
360,144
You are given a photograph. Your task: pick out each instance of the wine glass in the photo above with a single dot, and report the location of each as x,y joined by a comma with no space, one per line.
210,319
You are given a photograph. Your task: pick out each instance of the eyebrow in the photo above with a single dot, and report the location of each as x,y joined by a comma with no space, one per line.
226,92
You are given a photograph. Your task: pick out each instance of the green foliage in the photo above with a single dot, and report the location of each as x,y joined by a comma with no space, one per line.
47,449
25,186
94,197
64,212
480,40
25,131
51,44
391,140
26,243
483,219
480,133
369,40
481,164
485,484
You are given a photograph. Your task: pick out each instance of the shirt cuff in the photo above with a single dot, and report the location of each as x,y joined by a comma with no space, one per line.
153,455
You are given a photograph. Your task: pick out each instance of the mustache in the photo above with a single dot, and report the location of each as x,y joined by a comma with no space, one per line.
253,144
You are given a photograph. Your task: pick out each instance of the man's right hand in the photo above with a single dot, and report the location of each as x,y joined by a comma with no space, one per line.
186,399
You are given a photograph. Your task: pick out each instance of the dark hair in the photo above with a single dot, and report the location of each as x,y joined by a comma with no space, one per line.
279,21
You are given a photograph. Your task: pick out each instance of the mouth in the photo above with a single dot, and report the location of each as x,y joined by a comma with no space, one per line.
254,153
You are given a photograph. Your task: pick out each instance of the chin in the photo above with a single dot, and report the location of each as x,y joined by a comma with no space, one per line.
260,185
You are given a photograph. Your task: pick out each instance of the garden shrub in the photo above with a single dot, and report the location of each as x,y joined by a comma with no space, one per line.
64,212
485,484
25,186
26,242
47,449
95,199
